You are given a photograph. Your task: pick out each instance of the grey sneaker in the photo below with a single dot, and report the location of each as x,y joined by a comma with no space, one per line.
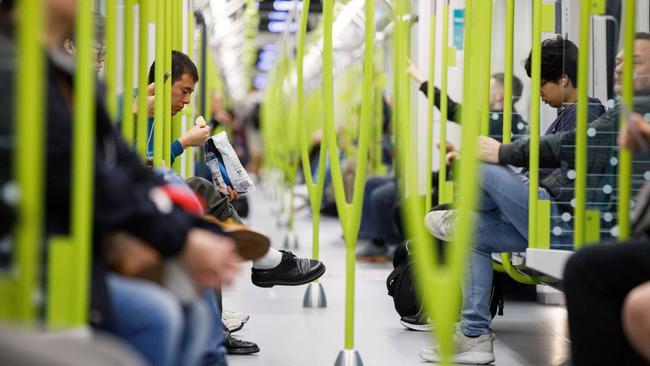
442,224
471,351
234,320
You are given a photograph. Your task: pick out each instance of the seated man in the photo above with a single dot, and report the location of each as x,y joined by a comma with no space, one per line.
502,215
606,286
127,198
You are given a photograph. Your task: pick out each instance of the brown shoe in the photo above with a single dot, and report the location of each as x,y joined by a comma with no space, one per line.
250,244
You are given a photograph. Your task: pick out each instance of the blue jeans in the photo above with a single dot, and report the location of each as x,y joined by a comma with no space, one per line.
151,319
379,200
216,352
501,226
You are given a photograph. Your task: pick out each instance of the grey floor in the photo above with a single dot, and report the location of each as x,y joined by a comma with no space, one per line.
288,334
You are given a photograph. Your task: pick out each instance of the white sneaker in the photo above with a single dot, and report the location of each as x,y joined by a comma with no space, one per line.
234,320
472,351
442,224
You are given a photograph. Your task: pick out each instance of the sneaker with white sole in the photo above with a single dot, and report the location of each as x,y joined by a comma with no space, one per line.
234,320
469,351
442,224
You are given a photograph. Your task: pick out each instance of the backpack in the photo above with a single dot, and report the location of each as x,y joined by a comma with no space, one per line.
401,286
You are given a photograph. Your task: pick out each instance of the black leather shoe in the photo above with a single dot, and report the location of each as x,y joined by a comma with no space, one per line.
236,346
292,271
420,322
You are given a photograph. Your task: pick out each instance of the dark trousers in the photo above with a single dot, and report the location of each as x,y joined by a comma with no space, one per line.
596,281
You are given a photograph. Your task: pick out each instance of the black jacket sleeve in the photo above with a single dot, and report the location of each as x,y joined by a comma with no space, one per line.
559,149
453,108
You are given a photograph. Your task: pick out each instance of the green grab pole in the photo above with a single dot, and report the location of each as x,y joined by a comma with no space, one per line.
349,213
429,146
625,156
444,107
189,110
128,36
581,126
507,72
315,189
143,78
17,289
486,48
536,67
159,77
83,159
110,62
167,117
176,44
436,281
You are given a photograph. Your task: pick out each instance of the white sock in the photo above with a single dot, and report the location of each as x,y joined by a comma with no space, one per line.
271,259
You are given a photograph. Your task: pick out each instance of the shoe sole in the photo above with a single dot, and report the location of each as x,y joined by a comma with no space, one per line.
250,245
242,352
467,358
417,327
372,259
303,281
237,328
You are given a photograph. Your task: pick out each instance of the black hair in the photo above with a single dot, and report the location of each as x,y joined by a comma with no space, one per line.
559,58
181,65
517,86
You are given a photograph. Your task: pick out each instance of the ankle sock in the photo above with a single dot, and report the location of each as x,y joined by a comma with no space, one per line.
271,259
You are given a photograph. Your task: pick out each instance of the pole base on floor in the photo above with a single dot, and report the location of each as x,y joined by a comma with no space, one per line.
348,357
314,296
291,240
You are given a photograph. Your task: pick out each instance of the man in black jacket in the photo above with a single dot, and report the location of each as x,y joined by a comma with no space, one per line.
127,198
502,221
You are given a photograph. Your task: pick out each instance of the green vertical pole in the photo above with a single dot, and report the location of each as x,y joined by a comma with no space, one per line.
486,48
625,156
83,162
507,72
17,301
581,126
160,107
110,62
143,78
176,44
189,158
534,122
432,68
444,108
167,116
129,34
315,189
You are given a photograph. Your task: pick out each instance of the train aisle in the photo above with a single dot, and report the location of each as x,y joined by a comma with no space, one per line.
290,335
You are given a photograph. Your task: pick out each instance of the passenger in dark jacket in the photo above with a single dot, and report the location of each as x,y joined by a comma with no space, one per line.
502,213
127,198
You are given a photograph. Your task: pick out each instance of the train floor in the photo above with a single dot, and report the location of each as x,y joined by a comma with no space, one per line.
290,335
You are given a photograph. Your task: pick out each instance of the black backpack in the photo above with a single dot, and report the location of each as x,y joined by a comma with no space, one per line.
401,286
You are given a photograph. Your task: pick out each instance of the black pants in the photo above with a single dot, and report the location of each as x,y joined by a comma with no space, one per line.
596,281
